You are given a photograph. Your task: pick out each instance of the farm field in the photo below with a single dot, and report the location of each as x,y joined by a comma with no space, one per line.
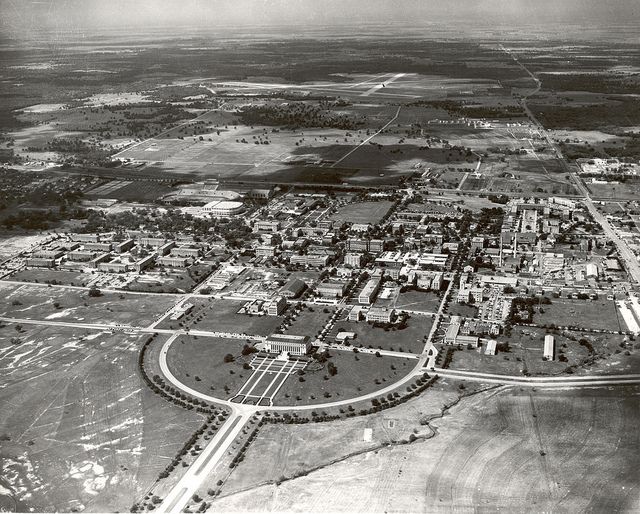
130,191
362,212
80,429
568,450
215,315
59,304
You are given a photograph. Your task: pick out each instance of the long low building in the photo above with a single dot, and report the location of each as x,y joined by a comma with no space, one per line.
291,344
549,344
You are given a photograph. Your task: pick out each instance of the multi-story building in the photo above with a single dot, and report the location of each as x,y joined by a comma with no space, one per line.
370,290
80,256
113,267
332,289
166,248
353,259
380,315
293,288
174,262
99,259
291,344
310,260
276,306
99,247
265,251
266,226
356,313
186,251
124,246
144,263
40,262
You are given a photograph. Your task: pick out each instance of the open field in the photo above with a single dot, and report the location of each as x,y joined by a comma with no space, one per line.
279,450
60,304
573,451
362,212
47,276
409,339
222,316
80,429
526,349
600,314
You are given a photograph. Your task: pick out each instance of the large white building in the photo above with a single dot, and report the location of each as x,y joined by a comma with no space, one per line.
369,292
549,343
223,208
291,344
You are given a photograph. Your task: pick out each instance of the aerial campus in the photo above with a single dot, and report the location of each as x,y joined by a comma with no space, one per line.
350,269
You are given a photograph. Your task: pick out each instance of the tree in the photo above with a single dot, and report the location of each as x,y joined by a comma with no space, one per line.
228,358
331,368
94,292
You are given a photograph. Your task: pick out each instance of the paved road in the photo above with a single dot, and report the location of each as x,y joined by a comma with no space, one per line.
556,381
368,139
627,255
206,463
630,259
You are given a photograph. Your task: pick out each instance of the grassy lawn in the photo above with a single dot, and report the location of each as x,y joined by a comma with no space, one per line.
310,322
68,278
357,375
410,339
170,281
222,316
199,363
418,301
591,314
363,212
60,304
462,309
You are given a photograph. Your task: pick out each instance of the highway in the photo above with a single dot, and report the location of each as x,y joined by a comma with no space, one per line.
629,258
627,255
207,461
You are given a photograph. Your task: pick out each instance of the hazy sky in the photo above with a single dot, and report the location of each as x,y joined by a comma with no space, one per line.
32,15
